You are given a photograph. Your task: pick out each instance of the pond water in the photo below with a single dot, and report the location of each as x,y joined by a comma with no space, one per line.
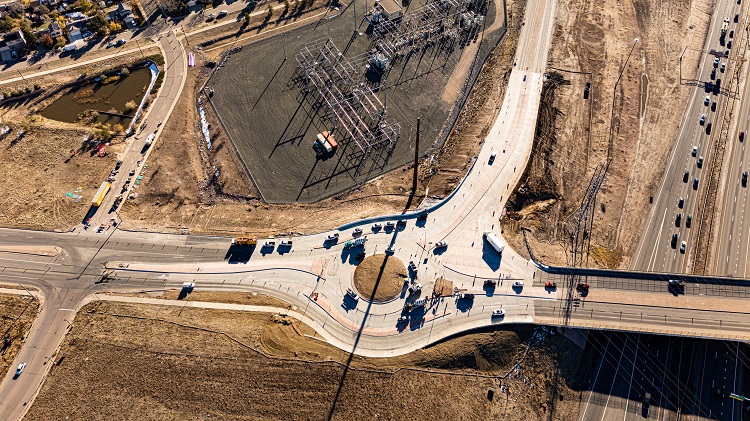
110,100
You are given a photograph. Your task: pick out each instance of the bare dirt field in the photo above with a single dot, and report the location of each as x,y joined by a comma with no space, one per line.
380,277
126,360
591,45
251,298
17,313
183,191
39,168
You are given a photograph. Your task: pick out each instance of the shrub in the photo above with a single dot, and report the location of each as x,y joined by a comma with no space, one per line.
125,71
269,12
130,106
118,128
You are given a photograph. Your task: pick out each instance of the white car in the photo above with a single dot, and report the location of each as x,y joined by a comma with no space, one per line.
333,237
376,226
357,231
518,284
707,100
683,246
351,294
498,313
20,368
441,244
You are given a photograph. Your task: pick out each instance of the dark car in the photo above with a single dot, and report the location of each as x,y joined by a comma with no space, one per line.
708,128
744,179
677,220
695,184
688,221
742,135
674,240
686,177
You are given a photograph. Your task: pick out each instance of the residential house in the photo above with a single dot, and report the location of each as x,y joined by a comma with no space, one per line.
125,13
12,46
54,29
74,33
77,27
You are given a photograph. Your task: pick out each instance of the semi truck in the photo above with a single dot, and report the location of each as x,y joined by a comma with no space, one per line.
99,196
494,241
355,243
325,143
244,241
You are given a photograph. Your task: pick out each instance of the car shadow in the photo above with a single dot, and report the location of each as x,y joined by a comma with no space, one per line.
490,256
239,254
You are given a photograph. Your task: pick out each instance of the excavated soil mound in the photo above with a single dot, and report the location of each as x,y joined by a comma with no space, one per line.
380,277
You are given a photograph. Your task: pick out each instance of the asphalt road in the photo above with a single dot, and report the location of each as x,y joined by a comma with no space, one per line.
732,240
656,251
137,152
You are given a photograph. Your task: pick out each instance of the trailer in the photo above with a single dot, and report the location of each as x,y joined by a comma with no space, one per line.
494,241
355,243
99,196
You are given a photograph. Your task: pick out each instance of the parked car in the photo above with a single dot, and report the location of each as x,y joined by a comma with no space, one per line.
118,165
210,17
441,244
389,250
357,231
550,285
390,225
582,287
403,319
518,284
351,294
498,313
222,14
333,237
121,41
377,226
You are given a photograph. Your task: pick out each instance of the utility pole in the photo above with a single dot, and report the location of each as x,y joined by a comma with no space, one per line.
19,72
416,161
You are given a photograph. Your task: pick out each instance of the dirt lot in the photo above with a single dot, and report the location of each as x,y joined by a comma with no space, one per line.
120,362
252,298
17,313
377,279
183,192
38,166
595,38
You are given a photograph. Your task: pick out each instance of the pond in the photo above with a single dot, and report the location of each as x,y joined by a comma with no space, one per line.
115,102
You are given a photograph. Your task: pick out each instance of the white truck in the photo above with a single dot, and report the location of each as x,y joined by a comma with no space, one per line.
724,26
70,47
494,241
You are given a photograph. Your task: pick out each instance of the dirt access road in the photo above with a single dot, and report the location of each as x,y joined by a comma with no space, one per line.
591,44
125,359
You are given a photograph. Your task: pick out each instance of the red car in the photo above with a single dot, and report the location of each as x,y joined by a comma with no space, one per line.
550,285
582,287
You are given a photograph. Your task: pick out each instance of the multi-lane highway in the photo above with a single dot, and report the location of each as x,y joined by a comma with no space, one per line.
731,240
678,193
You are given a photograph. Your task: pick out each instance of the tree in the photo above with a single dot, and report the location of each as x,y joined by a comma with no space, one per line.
42,10
286,7
246,16
118,128
99,24
14,9
85,6
114,27
6,23
60,42
47,41
28,33
130,106
269,12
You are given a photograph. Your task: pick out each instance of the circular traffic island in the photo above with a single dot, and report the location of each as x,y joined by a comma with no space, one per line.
380,277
